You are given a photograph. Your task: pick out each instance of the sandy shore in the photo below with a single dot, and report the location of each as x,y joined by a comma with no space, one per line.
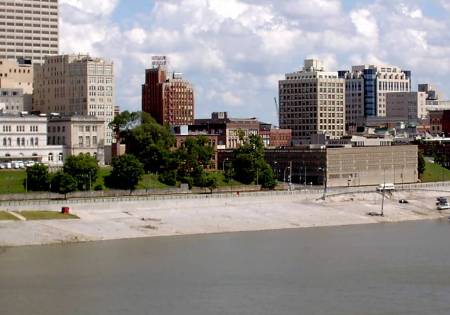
109,221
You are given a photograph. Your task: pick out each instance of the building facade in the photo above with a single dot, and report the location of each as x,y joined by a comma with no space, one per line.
29,29
76,85
11,101
168,98
407,106
24,138
78,135
18,75
366,89
312,101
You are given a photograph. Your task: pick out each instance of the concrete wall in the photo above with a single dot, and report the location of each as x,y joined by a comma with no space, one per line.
372,165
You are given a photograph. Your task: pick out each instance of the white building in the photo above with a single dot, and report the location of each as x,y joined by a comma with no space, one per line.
24,138
366,89
312,101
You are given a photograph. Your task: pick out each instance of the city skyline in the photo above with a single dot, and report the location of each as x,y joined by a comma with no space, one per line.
235,54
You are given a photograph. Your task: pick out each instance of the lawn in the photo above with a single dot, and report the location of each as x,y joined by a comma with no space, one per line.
150,181
46,215
11,181
222,182
5,216
435,173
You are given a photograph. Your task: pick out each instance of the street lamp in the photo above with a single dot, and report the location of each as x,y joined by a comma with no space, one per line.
304,169
324,170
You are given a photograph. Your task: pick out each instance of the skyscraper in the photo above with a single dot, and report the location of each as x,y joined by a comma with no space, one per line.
76,84
366,88
167,97
28,29
312,101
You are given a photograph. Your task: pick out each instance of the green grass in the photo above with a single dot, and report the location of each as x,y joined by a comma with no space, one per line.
150,181
5,216
46,215
435,173
222,182
11,181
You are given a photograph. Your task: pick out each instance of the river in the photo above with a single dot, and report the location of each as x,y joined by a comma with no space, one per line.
367,269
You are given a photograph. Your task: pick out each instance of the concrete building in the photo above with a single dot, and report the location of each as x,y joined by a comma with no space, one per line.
343,166
11,101
29,29
366,89
312,101
24,138
407,106
168,97
76,85
18,75
78,134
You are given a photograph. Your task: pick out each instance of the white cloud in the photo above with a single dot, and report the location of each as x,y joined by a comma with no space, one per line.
235,51
365,23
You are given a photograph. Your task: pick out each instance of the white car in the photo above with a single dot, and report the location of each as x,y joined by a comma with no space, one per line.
2,166
444,206
386,187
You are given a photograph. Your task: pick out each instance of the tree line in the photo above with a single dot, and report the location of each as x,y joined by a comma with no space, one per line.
151,149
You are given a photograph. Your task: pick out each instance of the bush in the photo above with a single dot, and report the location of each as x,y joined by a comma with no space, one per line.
168,177
99,187
83,168
38,178
126,173
63,183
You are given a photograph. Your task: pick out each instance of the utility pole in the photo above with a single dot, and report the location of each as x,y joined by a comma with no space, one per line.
290,176
384,192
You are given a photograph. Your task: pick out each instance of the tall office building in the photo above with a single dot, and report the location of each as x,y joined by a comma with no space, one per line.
366,89
167,97
312,101
28,29
76,84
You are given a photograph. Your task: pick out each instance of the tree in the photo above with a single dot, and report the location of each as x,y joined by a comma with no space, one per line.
38,178
123,122
83,168
421,164
249,163
126,173
151,143
168,177
63,183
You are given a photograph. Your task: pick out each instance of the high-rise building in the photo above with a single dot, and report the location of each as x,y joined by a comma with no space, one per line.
168,97
29,29
312,101
76,84
366,88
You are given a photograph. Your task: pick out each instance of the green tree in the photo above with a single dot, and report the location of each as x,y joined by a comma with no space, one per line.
194,156
126,173
421,164
38,178
151,143
249,164
168,177
63,183
83,168
124,122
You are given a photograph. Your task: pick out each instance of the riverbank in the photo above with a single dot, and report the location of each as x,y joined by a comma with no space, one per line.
151,218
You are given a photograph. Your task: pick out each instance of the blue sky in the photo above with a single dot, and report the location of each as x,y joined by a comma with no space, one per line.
235,51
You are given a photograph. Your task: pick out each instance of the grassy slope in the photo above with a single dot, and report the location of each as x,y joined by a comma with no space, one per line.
4,216
435,173
46,215
11,182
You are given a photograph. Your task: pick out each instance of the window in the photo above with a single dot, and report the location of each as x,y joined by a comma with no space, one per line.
60,157
50,157
94,140
80,141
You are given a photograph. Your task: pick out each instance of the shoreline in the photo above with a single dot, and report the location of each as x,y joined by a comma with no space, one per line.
162,218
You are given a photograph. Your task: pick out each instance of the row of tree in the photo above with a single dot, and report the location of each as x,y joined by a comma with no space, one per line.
153,145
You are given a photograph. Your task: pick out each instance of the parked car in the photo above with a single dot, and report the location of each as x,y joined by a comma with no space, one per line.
386,187
403,201
441,200
8,165
444,206
2,166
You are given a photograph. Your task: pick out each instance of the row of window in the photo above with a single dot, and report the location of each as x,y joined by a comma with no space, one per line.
21,142
20,128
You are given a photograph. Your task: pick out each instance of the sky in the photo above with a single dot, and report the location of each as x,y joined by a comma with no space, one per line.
235,51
